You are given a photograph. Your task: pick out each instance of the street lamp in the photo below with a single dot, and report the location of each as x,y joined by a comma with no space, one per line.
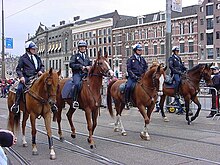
3,45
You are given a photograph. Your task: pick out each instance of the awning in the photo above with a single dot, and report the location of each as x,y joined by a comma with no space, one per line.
59,48
56,47
49,48
52,48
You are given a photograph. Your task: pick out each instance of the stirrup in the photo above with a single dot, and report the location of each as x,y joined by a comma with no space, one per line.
14,108
75,104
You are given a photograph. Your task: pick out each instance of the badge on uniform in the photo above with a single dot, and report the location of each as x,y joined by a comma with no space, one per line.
133,60
77,58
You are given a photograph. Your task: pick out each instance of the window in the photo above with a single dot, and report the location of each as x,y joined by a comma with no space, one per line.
109,50
109,31
155,32
218,35
210,53
218,19
201,36
146,49
146,33
210,23
201,21
182,47
66,43
209,38
100,41
209,10
100,32
163,31
94,52
105,49
190,25
202,54
201,9
217,52
104,31
109,39
94,41
140,20
191,47
218,6
90,52
155,49
182,28
127,51
162,49
104,40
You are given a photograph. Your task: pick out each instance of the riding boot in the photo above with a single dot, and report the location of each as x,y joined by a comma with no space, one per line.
15,106
212,113
180,108
127,98
75,97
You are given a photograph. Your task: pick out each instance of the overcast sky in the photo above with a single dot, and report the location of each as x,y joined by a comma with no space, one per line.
24,16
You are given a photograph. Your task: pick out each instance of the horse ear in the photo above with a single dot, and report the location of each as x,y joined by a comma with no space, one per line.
158,68
210,64
165,68
50,71
59,72
106,54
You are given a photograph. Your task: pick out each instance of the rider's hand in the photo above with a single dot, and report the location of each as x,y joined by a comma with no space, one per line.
40,73
22,80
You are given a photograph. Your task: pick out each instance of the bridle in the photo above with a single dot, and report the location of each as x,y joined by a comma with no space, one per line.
101,71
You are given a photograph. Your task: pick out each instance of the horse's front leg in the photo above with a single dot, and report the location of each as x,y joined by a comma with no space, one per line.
47,120
161,104
187,112
24,121
89,127
69,117
33,133
196,101
144,134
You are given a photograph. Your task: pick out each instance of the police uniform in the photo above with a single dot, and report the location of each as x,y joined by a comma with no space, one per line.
177,68
136,66
77,62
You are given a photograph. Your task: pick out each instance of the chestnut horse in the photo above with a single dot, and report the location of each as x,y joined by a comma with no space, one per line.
89,97
189,89
39,100
144,95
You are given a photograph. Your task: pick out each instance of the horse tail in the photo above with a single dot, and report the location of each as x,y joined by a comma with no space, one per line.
109,98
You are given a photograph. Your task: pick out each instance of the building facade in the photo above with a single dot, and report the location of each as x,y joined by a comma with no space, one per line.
209,32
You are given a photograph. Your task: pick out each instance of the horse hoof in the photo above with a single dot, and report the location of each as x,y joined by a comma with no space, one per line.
92,146
189,123
52,157
34,153
165,119
25,144
190,113
62,139
124,133
144,136
73,136
116,129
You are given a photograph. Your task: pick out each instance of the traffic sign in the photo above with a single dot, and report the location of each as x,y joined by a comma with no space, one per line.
9,43
177,5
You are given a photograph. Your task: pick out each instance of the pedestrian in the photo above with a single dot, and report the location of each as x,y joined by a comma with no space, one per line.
177,69
29,65
7,139
216,85
80,65
136,66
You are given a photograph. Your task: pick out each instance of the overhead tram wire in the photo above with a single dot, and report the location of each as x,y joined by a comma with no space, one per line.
24,9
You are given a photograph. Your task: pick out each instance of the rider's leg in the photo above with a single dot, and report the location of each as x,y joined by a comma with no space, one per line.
18,94
128,91
76,80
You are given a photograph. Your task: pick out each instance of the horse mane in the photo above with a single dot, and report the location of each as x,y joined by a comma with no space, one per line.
196,67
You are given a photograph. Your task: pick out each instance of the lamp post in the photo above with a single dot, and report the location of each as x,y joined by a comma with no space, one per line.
3,45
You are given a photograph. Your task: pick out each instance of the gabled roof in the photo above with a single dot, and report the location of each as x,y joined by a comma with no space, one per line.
42,28
153,17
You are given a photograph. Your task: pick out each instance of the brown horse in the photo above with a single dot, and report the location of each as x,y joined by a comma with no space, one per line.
89,97
39,100
144,95
189,89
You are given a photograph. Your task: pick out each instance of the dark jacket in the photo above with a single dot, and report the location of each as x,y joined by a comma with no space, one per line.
216,81
26,68
136,68
76,63
176,65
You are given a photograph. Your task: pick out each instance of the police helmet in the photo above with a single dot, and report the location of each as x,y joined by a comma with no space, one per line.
137,47
214,68
175,48
30,45
82,43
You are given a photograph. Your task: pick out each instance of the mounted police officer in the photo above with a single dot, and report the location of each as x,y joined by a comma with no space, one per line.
80,64
136,66
29,65
177,68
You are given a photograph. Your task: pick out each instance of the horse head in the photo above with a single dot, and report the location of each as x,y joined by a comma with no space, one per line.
101,66
51,80
206,74
158,76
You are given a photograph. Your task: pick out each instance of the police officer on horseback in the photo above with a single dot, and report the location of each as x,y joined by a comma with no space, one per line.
136,66
29,65
80,65
177,68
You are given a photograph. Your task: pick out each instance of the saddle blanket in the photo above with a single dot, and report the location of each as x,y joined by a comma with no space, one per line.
67,89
